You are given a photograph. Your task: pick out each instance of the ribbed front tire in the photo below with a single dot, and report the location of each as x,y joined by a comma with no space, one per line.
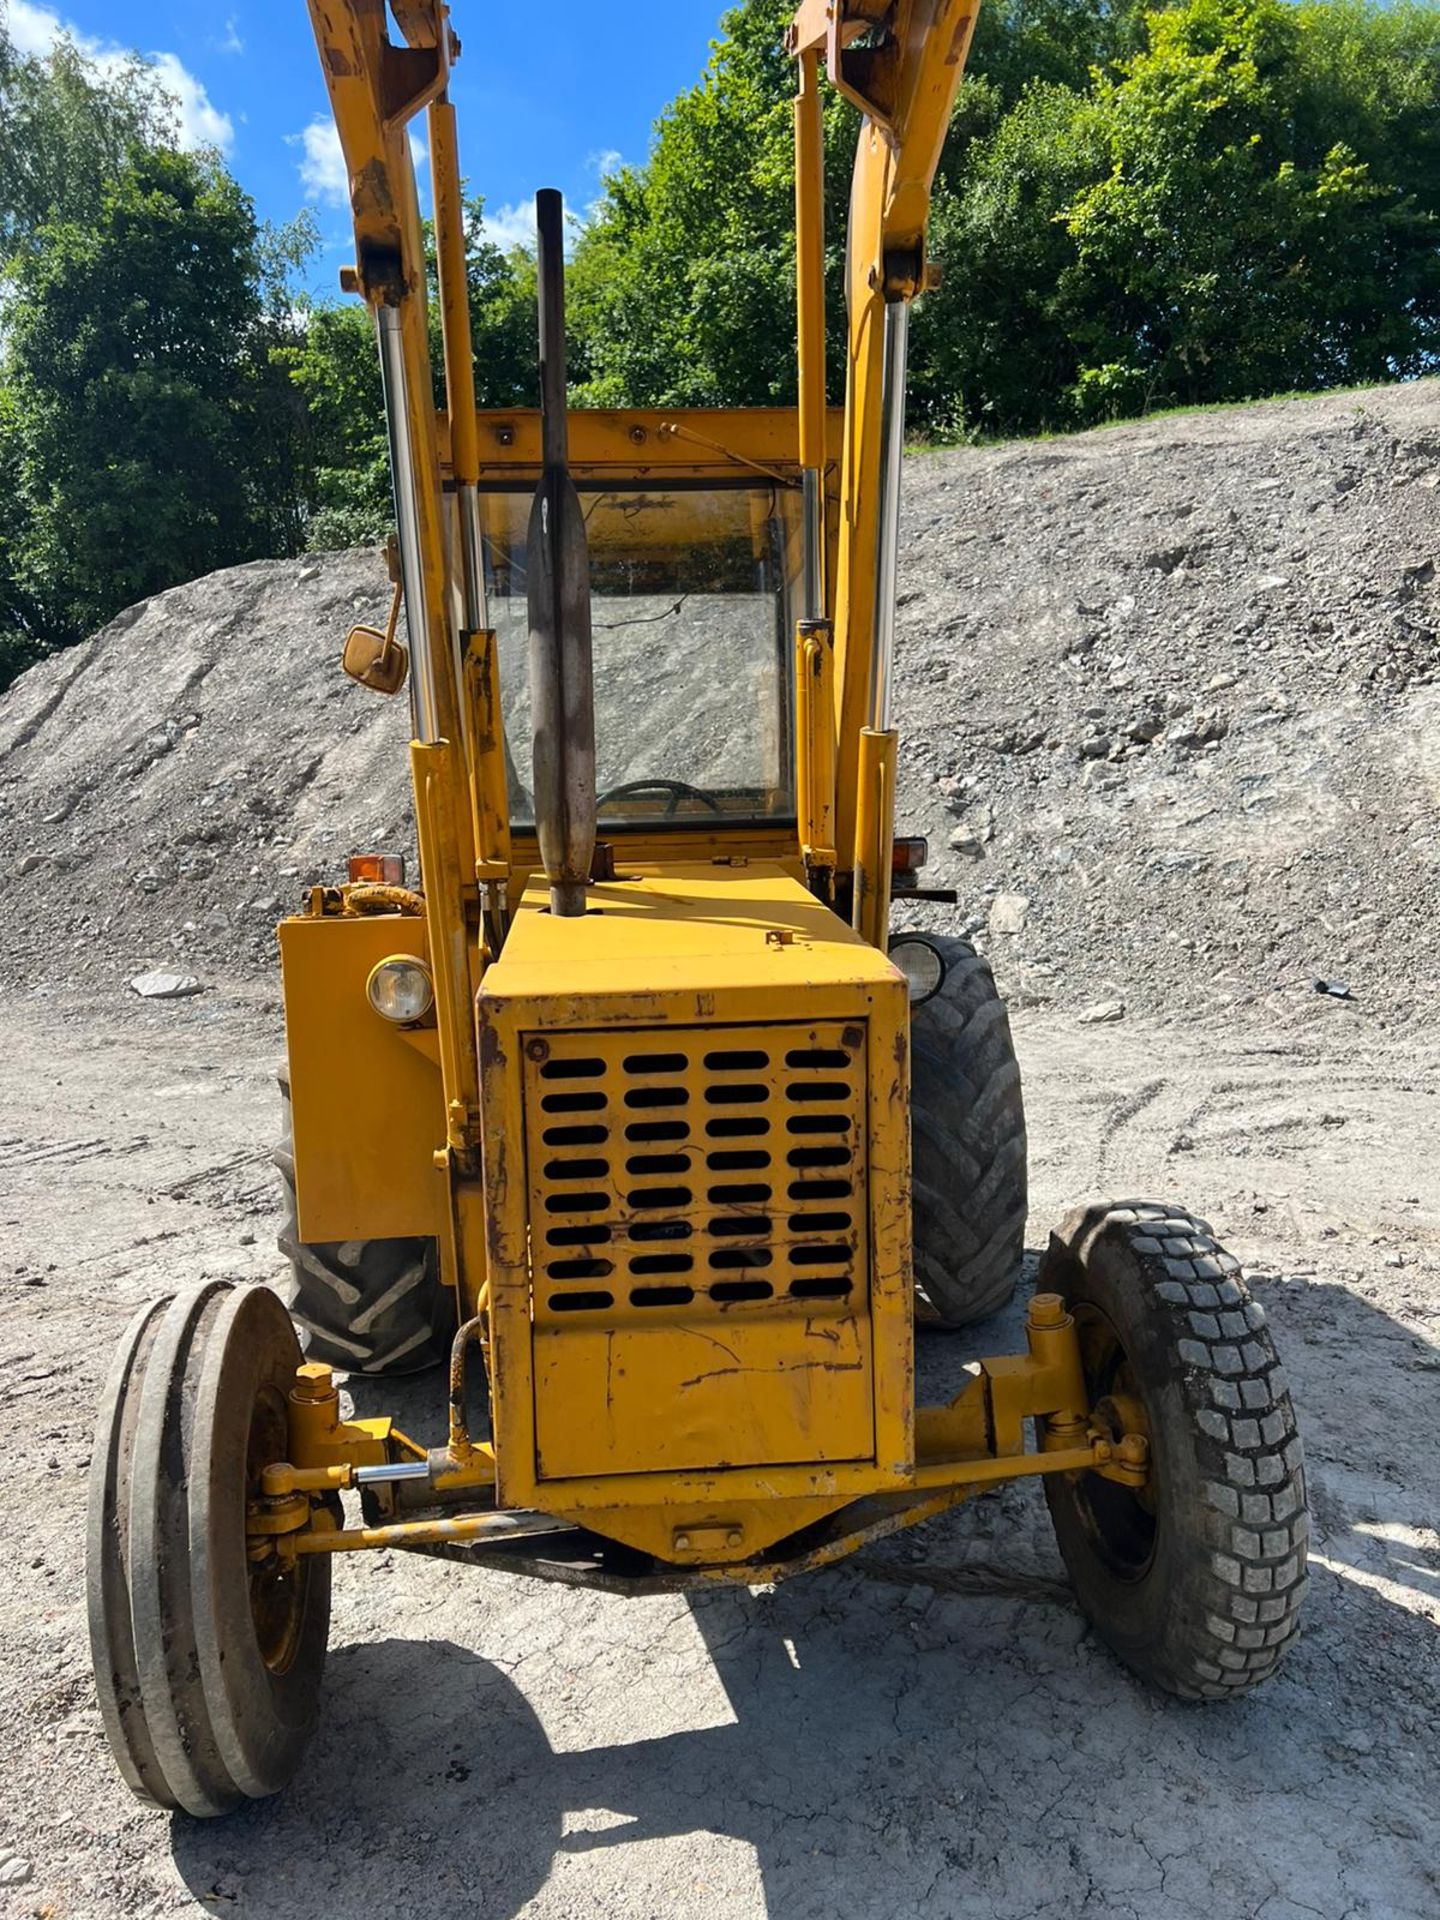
208,1663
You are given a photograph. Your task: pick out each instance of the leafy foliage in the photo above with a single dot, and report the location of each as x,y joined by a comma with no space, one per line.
1256,210
1213,201
682,291
146,433
132,374
335,372
66,129
1209,201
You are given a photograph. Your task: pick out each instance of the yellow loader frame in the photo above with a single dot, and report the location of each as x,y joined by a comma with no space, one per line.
807,1432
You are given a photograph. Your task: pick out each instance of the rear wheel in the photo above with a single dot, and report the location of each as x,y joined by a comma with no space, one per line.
968,1148
207,1664
1195,1580
367,1306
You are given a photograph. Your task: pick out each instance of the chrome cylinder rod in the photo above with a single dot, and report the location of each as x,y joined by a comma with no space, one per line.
472,566
404,479
892,449
812,589
395,1470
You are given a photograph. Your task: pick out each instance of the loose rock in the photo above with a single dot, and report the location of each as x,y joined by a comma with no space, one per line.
1008,913
1102,1013
165,986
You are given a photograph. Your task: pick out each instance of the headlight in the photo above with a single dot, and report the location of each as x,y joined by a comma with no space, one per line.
922,964
400,989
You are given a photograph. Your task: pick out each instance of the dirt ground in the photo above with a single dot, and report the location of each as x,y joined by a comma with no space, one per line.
930,1730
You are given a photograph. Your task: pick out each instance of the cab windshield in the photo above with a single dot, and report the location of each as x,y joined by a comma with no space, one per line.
692,617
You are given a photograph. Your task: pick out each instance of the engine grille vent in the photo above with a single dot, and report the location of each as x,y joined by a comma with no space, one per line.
698,1171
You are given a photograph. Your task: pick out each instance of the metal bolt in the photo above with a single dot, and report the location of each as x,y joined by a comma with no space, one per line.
313,1381
682,1543
537,1049
1134,1450
734,1537
1047,1310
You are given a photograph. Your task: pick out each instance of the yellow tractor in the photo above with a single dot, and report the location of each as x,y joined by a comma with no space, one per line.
633,1111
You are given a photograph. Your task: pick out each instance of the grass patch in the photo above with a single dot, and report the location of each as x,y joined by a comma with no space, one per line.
938,444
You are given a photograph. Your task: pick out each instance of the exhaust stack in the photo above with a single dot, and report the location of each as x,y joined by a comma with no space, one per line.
562,690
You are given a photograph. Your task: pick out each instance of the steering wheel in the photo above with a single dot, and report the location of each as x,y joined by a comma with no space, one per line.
678,790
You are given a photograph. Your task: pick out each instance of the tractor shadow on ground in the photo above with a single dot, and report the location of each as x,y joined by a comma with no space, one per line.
930,1728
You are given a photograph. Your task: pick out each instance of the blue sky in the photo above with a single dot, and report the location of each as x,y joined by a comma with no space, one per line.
547,93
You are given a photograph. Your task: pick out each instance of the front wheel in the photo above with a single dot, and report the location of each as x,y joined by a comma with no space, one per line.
1195,1580
207,1663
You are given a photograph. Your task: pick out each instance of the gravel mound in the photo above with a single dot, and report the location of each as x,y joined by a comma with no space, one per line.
168,788
1171,703
1169,698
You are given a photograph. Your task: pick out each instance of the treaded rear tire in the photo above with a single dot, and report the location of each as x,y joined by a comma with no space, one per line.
968,1146
1205,1604
365,1306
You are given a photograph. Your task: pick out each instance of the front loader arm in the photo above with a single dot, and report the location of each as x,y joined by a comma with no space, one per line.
900,62
376,88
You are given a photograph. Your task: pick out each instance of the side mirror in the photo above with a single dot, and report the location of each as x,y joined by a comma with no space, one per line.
377,660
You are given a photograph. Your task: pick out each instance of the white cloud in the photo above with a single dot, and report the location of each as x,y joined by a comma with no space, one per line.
201,122
32,29
607,160
230,41
35,30
322,164
322,161
512,226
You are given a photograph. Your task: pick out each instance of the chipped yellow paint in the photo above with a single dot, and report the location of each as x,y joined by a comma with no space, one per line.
728,1009
356,1079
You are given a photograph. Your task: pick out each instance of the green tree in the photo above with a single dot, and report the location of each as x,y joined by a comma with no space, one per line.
146,431
1237,245
279,463
1215,200
1024,43
66,129
683,285
1247,205
993,348
130,356
22,639
335,370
